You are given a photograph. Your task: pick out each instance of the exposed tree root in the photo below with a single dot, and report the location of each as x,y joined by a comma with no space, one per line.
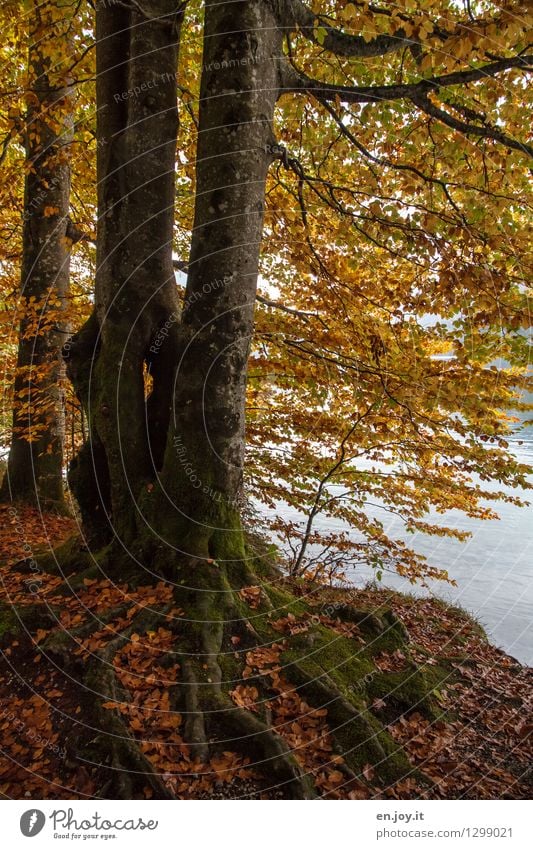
132,771
323,693
269,750
298,729
228,681
194,732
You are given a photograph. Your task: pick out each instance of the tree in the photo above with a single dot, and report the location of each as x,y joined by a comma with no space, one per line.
374,193
35,465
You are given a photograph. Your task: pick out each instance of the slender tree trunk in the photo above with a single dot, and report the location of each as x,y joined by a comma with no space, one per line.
35,465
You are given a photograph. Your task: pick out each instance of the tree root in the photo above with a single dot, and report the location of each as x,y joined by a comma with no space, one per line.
269,749
204,645
323,693
132,771
194,733
261,741
374,623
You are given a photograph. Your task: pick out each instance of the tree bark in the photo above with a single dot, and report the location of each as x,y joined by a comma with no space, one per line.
35,466
198,361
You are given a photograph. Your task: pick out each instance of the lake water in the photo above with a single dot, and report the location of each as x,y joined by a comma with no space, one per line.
493,569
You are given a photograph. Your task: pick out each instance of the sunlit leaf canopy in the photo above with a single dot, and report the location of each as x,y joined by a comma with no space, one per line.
395,262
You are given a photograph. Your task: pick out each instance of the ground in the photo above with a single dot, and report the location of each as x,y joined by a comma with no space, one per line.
439,712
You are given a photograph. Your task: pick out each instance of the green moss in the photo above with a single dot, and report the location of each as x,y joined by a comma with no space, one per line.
60,642
365,742
69,557
262,557
202,525
227,541
231,670
283,602
411,689
332,673
327,653
388,641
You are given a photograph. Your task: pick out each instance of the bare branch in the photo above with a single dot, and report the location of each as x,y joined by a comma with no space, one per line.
181,265
291,310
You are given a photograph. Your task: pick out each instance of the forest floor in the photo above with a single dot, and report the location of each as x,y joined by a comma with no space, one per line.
478,746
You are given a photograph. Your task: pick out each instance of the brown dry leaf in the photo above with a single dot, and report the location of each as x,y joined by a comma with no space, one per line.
252,596
40,635
245,697
368,772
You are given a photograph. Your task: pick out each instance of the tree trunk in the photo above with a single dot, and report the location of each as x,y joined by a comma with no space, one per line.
203,465
202,355
160,477
35,466
135,284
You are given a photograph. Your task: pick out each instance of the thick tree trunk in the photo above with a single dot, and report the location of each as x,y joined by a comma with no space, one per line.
202,356
35,465
204,457
135,283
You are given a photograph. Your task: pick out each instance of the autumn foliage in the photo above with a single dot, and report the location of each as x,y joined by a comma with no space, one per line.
412,206
344,189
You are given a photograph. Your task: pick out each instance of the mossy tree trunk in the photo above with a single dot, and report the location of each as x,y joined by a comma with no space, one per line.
199,370
135,284
35,466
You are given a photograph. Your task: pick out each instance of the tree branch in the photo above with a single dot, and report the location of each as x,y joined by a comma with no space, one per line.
181,265
295,13
291,310
486,132
383,161
296,81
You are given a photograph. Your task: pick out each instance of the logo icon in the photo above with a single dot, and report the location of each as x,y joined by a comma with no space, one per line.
32,822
